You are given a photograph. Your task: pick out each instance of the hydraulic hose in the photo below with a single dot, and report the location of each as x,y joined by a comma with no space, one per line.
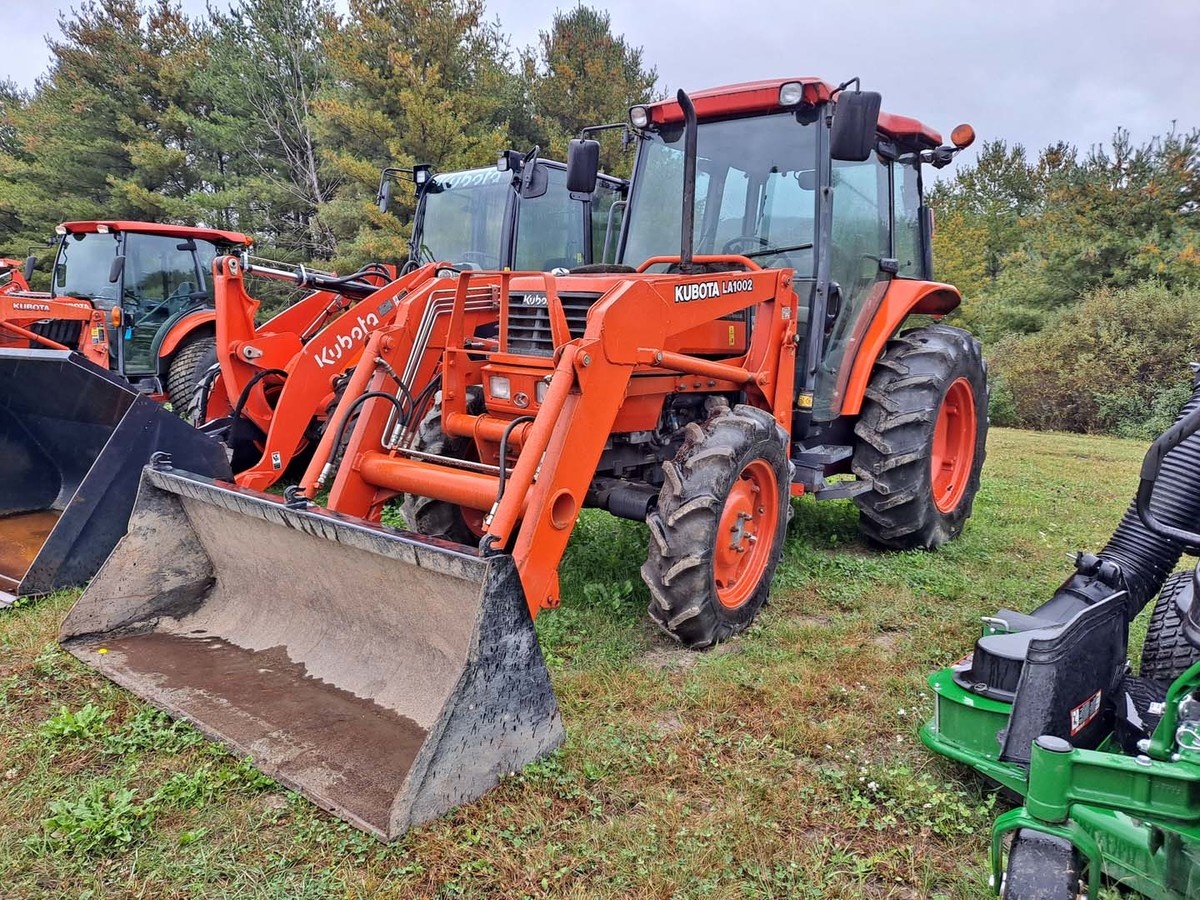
1135,559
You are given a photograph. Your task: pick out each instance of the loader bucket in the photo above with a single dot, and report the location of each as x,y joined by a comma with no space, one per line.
73,441
388,676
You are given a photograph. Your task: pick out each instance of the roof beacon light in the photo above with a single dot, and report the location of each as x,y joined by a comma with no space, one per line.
639,116
102,229
791,93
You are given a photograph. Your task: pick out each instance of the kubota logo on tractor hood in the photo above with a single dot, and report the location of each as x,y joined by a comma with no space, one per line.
709,290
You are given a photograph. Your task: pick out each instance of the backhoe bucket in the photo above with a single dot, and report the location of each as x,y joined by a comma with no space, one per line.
388,676
73,441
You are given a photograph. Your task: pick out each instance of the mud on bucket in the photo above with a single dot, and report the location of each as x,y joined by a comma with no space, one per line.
73,440
387,676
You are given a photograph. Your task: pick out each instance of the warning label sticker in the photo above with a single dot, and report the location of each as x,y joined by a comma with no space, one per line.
1084,713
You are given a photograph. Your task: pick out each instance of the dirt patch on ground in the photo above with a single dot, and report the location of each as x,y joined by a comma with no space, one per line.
666,659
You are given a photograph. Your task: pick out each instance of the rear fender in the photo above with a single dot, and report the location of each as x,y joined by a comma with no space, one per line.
902,299
174,333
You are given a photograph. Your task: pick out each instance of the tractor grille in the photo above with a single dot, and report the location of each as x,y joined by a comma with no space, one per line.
62,331
529,321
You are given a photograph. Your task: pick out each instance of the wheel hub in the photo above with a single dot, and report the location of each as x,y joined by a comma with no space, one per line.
744,533
953,453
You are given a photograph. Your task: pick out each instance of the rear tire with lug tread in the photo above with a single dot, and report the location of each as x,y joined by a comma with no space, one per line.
1041,867
922,438
439,518
718,531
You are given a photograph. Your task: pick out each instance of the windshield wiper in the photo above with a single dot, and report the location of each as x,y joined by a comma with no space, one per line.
768,251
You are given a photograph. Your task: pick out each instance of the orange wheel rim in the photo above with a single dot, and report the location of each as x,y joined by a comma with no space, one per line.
953,446
746,533
473,519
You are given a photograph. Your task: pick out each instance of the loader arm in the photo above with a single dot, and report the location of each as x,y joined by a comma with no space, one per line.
309,367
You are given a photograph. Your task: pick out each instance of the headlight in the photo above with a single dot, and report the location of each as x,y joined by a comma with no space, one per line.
639,116
791,93
499,387
540,391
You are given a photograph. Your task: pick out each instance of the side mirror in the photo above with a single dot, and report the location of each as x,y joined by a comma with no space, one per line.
30,265
385,194
583,166
535,182
116,270
855,119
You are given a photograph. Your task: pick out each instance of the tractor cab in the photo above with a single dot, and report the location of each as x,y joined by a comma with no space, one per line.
149,278
516,215
786,182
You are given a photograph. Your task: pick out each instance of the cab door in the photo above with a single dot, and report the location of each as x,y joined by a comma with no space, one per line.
160,280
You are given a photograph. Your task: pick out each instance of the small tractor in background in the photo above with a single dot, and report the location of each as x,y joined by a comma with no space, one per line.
133,297
1107,763
746,349
12,276
270,387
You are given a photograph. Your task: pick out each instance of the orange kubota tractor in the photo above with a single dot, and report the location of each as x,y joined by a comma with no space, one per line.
751,347
133,297
272,386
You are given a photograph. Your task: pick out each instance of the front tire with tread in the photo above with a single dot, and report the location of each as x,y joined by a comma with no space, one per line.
1167,653
1041,867
681,569
187,367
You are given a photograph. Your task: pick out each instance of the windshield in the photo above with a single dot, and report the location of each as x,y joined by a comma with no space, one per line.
82,267
549,228
464,214
755,192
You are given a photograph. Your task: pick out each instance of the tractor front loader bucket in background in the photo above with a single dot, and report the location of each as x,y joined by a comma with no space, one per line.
73,441
388,676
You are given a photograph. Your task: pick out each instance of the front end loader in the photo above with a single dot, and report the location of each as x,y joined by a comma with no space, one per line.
1106,763
82,368
696,388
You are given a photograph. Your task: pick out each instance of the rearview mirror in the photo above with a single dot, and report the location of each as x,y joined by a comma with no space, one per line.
116,270
30,265
583,166
855,119
535,182
385,195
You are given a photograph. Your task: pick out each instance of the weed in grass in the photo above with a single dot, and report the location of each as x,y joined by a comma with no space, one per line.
85,725
152,729
106,817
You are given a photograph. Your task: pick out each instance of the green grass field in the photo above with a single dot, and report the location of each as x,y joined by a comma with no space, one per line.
784,763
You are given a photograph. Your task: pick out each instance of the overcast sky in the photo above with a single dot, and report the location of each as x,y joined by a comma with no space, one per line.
1028,71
